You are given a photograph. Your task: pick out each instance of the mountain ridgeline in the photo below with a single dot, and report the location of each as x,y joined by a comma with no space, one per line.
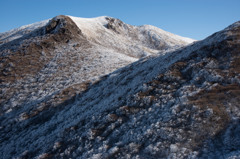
99,88
50,57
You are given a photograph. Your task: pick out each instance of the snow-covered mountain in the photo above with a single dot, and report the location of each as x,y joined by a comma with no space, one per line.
41,61
113,33
131,40
175,104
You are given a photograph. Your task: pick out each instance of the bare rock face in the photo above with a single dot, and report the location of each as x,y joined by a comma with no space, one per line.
52,25
115,24
62,25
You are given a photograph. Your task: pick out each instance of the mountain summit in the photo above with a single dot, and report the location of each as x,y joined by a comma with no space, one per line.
67,93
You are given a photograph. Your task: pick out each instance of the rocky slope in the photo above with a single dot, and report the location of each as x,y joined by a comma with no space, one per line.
180,104
46,63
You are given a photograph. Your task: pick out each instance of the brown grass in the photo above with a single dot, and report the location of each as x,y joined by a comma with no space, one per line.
58,99
216,99
131,110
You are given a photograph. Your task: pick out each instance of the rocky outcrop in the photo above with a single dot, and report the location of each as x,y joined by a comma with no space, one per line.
22,60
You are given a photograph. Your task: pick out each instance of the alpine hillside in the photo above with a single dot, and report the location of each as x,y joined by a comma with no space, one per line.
68,90
45,63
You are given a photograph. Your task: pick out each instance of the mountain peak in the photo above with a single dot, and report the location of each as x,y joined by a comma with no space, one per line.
233,26
61,23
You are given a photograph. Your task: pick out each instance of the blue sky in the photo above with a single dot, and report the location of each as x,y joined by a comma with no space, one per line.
196,19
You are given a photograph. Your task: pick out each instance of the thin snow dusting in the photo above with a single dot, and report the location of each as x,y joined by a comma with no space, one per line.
19,32
166,34
95,98
137,41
